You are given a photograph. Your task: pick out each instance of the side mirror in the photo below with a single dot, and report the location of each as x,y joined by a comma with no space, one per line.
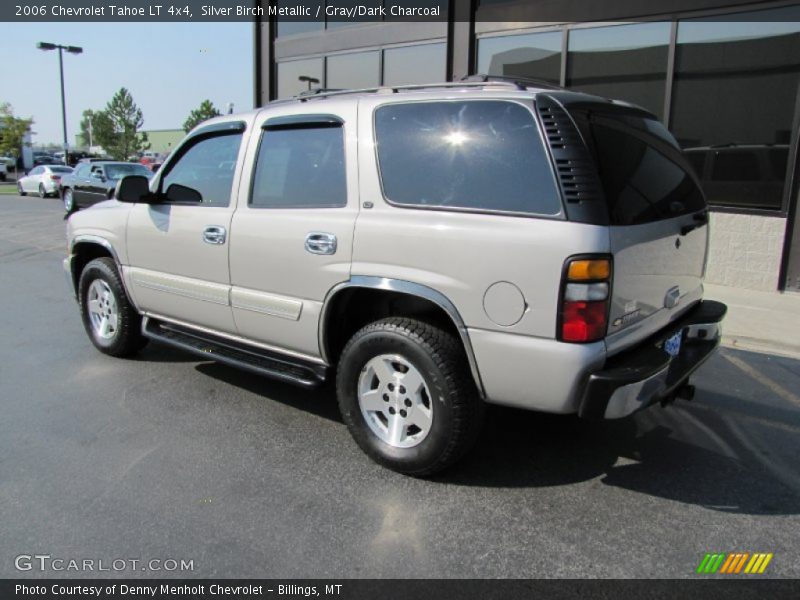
181,193
133,189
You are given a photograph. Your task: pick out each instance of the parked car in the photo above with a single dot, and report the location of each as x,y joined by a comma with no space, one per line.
41,158
43,180
433,249
3,171
9,161
93,181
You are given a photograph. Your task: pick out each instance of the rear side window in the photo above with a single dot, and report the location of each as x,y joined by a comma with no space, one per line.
300,168
645,178
477,155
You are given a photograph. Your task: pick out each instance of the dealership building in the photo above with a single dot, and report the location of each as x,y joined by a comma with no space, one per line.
723,75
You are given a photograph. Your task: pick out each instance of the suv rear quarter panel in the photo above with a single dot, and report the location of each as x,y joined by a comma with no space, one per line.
461,255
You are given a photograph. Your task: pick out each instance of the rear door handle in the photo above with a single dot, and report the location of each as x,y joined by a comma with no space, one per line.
319,242
214,234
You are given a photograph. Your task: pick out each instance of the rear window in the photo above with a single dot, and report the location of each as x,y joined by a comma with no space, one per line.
644,175
476,155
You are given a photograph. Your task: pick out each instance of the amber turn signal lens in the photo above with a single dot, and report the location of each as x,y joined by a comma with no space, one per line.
586,270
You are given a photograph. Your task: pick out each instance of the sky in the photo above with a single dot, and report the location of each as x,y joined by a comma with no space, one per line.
169,68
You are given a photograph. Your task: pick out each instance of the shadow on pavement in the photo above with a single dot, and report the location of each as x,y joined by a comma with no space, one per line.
657,453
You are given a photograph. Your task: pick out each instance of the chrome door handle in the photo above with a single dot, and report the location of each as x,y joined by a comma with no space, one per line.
214,234
318,242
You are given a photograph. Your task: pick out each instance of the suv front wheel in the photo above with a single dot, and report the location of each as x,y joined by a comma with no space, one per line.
109,318
407,396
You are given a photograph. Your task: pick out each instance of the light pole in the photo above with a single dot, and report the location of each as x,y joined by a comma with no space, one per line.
72,50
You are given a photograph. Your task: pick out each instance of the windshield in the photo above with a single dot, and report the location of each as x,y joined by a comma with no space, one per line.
123,170
61,169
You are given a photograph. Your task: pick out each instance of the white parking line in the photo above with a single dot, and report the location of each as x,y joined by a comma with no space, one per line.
763,379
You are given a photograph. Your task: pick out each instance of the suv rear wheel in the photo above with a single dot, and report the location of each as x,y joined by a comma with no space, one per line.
109,318
407,397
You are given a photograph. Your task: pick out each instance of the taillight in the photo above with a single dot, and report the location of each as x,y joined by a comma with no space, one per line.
55,177
585,294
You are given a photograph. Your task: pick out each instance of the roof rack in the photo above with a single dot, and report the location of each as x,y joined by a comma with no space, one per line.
394,89
522,83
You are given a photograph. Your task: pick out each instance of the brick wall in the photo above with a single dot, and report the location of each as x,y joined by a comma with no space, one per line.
745,251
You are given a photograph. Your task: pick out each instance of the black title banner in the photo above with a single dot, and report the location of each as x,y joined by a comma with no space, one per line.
342,11
395,589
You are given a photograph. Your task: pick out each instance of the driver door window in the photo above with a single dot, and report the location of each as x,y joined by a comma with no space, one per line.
204,173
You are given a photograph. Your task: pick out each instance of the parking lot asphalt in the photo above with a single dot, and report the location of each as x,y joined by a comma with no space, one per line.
164,457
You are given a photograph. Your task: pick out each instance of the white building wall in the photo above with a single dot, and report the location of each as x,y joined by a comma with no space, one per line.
745,250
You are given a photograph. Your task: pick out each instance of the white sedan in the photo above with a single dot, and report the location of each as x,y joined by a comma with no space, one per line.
44,180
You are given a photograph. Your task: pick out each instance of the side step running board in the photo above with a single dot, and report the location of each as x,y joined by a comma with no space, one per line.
230,353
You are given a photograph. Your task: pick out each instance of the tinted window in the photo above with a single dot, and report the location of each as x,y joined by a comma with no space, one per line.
627,62
67,169
698,161
485,155
300,168
409,65
205,168
82,171
735,85
535,56
645,178
289,74
353,71
735,166
37,171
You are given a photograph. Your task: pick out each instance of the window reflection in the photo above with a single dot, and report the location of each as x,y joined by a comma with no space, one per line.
424,63
535,56
735,90
353,71
626,62
290,71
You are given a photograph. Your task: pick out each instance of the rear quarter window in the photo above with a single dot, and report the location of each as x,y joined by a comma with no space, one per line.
644,174
481,155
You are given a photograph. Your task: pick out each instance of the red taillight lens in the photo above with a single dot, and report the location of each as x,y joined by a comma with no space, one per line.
55,177
583,321
585,294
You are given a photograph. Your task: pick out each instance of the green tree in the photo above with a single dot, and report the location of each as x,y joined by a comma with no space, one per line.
12,131
125,138
102,129
205,111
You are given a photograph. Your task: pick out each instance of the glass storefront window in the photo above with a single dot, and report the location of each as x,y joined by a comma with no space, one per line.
290,71
733,103
625,62
535,55
424,63
352,71
288,27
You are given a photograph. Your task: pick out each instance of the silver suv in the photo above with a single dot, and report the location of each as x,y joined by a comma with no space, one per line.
435,248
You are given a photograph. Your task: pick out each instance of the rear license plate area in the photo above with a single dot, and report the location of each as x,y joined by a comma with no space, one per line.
672,345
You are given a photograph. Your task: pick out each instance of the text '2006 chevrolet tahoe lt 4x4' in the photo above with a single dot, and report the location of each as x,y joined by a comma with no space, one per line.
434,248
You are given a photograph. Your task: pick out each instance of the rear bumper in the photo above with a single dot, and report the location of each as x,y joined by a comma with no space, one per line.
646,374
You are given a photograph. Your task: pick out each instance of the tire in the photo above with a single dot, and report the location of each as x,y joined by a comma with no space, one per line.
119,334
20,190
69,201
434,425
42,192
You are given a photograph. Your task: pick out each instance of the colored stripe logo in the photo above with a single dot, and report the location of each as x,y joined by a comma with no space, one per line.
734,563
